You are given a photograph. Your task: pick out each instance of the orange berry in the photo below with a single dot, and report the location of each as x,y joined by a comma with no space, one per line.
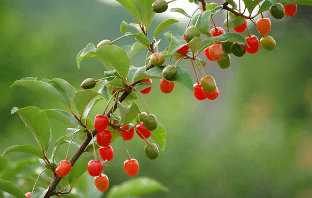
101,182
131,167
215,52
264,26
63,168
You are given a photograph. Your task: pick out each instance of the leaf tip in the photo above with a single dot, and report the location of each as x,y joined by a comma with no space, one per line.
14,109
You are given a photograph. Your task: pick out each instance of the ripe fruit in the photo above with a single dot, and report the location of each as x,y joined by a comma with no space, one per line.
215,52
150,122
142,131
211,96
225,61
206,51
131,167
127,135
88,83
28,195
264,26
277,11
217,31
103,43
101,182
169,72
268,43
95,167
63,168
100,122
166,86
240,29
106,153
183,49
104,138
226,47
191,32
238,49
147,90
208,84
157,59
197,92
253,43
290,10
160,6
151,151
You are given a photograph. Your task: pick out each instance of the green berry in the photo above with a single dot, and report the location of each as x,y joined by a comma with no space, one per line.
169,72
268,43
103,43
150,122
191,32
226,46
208,84
160,6
142,116
88,83
225,61
151,151
277,11
157,59
238,49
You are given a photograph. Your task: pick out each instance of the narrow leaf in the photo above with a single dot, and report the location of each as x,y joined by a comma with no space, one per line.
83,98
62,116
132,8
68,88
124,26
140,37
90,106
163,25
25,149
180,10
11,188
145,11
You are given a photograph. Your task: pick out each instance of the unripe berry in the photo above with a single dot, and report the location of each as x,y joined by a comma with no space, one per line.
169,72
104,138
183,50
215,52
197,92
95,167
127,135
208,84
150,122
142,131
217,31
226,47
160,6
263,26
240,29
28,195
131,167
190,33
142,116
290,10
211,96
238,49
253,43
225,61
106,153
146,90
151,151
103,43
166,86
88,83
100,122
101,182
268,43
277,11
63,168
157,59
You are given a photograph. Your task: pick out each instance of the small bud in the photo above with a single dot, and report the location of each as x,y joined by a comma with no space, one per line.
103,43
160,6
88,83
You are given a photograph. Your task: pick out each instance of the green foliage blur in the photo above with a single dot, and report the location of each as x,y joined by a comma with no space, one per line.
255,140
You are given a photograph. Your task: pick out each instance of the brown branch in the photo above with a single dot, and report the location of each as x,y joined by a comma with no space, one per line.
225,7
203,4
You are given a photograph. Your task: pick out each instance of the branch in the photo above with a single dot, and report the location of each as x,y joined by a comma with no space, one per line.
225,7
203,4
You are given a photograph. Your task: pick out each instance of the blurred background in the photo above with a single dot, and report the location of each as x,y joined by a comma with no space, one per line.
255,140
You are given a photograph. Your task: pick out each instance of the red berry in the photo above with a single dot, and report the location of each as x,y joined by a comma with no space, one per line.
206,51
264,26
131,167
129,135
183,49
198,92
215,52
106,153
290,10
241,29
142,131
185,39
101,182
104,138
253,43
217,31
63,168
95,167
28,195
147,90
100,122
166,86
211,96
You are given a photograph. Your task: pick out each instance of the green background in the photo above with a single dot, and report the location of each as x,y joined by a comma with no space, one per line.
253,141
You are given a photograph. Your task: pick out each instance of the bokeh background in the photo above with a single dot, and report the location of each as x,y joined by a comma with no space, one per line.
255,140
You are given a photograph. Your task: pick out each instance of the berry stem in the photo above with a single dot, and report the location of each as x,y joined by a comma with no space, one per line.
257,27
37,181
177,62
144,137
195,71
171,1
128,155
248,31
227,21
198,18
191,19
93,145
109,101
117,39
239,6
142,99
71,141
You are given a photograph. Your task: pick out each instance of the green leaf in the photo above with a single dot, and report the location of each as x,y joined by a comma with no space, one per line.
90,106
140,37
83,98
175,42
25,149
132,9
194,44
146,12
128,114
232,3
103,89
159,135
42,87
57,144
203,21
141,86
136,47
62,116
265,6
79,169
115,133
136,187
110,75
180,10
250,5
65,86
163,25
111,56
11,188
134,72
234,21
39,192
37,121
124,26
224,37
216,9
298,2
131,96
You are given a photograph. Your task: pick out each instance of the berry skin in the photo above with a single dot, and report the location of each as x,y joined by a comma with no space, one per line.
28,195
206,51
215,52
208,84
211,96
160,6
129,135
253,43
151,151
106,153
103,43
290,10
104,138
142,131
277,11
95,167
226,47
131,167
150,122
169,72
147,90
264,26
157,59
166,86
183,49
88,83
100,122
101,182
190,33
238,49
197,92
240,29
268,43
142,116
225,61
63,168
217,31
